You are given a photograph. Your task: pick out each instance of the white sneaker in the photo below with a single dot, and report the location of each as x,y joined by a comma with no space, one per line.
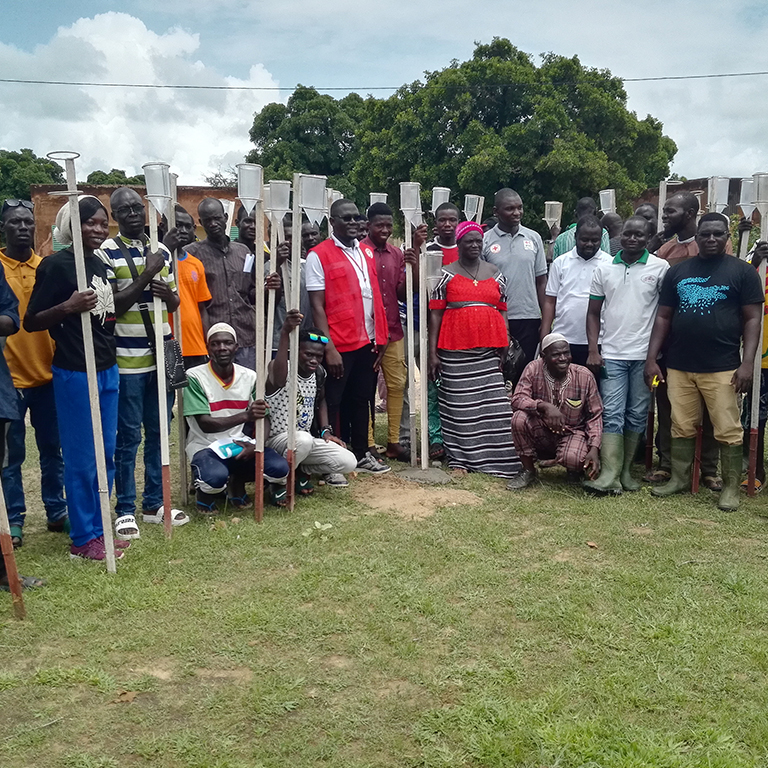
369,463
336,480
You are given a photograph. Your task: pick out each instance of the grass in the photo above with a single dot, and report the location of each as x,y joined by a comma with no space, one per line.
486,634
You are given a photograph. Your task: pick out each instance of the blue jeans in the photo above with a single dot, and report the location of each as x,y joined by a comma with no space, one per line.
625,396
211,473
80,476
138,405
41,404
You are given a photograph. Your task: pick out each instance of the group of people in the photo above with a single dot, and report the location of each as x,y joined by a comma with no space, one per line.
603,314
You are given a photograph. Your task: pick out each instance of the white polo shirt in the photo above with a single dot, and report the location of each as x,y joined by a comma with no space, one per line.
630,294
570,279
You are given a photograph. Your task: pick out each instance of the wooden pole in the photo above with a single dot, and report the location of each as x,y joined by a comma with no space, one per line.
261,362
424,288
9,557
293,357
162,397
271,267
90,368
411,350
754,415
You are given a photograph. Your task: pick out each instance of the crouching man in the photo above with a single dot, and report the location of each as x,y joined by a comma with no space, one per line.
220,408
325,455
557,414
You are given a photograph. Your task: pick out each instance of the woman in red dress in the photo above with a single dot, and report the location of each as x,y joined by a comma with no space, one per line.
467,343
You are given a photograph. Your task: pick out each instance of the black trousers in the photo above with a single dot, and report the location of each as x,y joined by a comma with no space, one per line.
527,334
348,398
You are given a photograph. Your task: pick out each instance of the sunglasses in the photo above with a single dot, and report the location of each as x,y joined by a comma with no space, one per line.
125,210
11,203
317,337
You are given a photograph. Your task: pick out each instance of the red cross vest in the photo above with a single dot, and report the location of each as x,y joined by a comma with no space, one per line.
344,300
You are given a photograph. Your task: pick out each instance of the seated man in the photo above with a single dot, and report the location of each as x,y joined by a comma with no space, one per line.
325,455
220,451
557,414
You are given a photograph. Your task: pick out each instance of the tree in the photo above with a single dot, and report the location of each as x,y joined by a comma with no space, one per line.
18,170
115,178
221,179
556,131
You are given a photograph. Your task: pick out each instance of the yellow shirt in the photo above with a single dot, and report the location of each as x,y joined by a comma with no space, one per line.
29,355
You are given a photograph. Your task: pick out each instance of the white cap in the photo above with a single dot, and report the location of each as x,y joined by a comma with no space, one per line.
221,328
552,338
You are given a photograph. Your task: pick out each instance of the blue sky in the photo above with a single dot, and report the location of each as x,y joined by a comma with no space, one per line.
719,126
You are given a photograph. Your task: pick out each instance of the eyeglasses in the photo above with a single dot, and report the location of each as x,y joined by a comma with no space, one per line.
346,219
317,337
12,203
706,236
127,210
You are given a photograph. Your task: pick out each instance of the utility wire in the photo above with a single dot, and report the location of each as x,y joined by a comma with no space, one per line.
367,88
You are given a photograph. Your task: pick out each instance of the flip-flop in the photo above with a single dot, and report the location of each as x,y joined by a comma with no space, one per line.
745,485
178,516
27,582
713,482
205,508
436,451
279,495
239,502
304,485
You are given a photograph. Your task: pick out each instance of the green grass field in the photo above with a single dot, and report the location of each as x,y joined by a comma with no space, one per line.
458,625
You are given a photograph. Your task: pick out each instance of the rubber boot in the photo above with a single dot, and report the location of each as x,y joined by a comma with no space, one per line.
730,461
611,461
631,441
682,451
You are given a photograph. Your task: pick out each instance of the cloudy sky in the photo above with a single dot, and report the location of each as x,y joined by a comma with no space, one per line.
720,126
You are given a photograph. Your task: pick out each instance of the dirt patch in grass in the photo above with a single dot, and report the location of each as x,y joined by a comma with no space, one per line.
237,675
335,661
642,530
408,501
162,669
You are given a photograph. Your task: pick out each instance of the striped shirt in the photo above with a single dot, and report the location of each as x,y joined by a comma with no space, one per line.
134,354
208,395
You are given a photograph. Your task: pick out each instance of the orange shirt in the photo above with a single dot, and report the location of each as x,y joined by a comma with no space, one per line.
193,289
29,355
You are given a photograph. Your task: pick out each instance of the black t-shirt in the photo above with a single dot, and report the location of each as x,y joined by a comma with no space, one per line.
707,296
54,283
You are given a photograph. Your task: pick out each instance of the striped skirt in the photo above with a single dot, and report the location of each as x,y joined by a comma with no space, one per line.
475,413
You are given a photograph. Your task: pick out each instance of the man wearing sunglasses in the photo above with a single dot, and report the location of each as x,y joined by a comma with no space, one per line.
29,357
347,308
708,304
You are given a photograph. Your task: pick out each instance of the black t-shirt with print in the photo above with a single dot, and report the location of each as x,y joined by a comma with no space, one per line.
707,296
54,283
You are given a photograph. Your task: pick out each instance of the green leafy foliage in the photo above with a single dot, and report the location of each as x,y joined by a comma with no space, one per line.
19,170
116,177
557,130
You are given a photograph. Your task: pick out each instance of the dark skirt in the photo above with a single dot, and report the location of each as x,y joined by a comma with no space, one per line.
475,413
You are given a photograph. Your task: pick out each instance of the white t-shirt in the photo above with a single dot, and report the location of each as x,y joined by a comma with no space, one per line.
570,278
631,296
315,278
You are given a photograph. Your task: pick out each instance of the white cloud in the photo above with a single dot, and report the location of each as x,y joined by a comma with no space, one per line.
194,131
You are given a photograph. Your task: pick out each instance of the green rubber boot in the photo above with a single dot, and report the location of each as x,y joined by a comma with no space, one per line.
631,440
682,451
611,461
730,460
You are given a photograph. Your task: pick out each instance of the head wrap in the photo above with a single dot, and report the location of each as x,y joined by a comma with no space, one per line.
465,227
552,338
88,205
221,328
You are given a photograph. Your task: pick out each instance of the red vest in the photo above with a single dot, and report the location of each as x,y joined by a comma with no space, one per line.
344,300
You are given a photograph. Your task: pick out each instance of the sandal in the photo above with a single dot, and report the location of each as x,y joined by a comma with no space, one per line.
658,476
436,451
61,525
207,508
239,502
745,485
27,582
713,482
17,536
127,528
178,516
278,494
304,485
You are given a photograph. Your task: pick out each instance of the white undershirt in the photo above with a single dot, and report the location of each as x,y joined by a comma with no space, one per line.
315,278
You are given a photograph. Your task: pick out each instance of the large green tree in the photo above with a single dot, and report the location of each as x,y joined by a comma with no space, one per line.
553,131
18,170
116,177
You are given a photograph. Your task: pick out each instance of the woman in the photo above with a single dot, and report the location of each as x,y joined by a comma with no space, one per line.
56,306
467,343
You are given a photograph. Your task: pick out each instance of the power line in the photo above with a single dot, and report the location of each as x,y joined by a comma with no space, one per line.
339,88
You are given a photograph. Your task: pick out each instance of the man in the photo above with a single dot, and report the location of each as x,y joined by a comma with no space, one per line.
519,254
612,224
193,290
325,455
565,241
246,228
719,299
310,237
446,221
567,295
557,414
651,214
137,276
347,308
679,221
626,292
220,406
229,277
390,269
29,357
